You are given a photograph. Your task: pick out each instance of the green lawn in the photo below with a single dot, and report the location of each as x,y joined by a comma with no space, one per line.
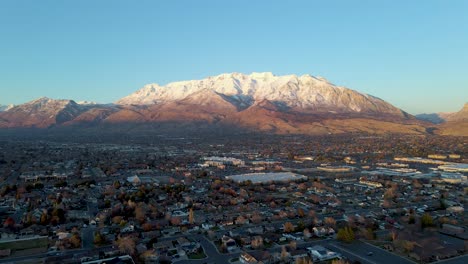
40,242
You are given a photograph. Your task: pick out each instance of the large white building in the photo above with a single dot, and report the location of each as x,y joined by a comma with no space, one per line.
454,167
266,177
320,253
218,161
453,177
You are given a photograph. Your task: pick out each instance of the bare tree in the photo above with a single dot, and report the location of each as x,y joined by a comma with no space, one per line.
126,245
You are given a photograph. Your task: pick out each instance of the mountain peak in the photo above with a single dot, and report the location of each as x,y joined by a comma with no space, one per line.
6,107
291,91
41,99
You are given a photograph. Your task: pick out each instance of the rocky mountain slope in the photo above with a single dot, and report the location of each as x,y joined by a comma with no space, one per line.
5,107
259,102
455,123
307,93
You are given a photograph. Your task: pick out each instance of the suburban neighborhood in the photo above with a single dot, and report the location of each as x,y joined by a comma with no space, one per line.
284,199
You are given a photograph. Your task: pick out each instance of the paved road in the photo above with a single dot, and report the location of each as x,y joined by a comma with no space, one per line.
87,237
358,250
213,256
66,254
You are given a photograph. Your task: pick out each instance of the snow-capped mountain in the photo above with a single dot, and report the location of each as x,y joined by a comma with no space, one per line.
86,103
5,107
255,102
304,92
41,112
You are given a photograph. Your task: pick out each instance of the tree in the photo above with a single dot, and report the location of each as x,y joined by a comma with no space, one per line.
411,219
9,223
117,184
303,260
408,246
284,254
256,218
59,214
44,218
99,239
426,220
75,240
339,261
147,227
175,221
345,234
257,242
443,204
369,234
293,245
330,222
191,216
140,214
126,245
300,226
288,227
300,212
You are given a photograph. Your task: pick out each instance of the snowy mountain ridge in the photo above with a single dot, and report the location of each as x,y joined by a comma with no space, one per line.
5,107
305,92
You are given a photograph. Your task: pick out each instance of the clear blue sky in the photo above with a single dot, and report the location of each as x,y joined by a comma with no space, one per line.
414,54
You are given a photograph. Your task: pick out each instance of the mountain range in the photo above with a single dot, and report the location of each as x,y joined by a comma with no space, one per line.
257,102
438,118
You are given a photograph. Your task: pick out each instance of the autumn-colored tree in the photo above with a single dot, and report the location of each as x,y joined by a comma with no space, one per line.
147,227
345,234
240,220
99,239
75,240
30,219
368,233
329,221
140,214
175,221
9,223
191,216
58,214
339,261
284,254
288,227
257,242
256,218
389,194
311,214
44,218
303,260
408,246
426,220
293,245
117,184
126,245
117,219
300,212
